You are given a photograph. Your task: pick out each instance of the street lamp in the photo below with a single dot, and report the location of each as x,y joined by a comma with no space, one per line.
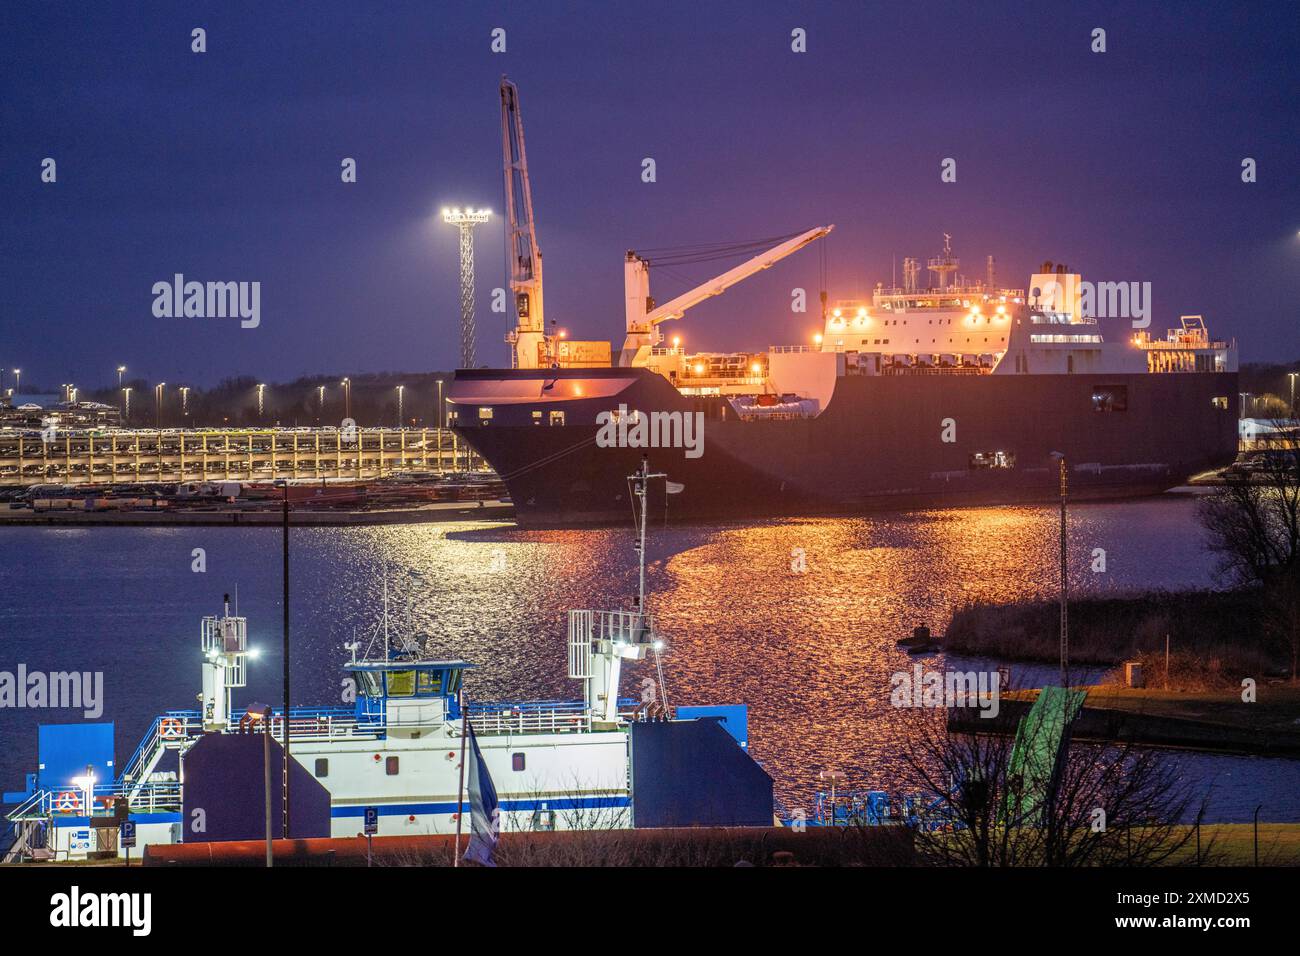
1292,377
185,401
320,404
347,397
17,377
261,392
441,415
158,397
400,390
120,370
1065,631
126,403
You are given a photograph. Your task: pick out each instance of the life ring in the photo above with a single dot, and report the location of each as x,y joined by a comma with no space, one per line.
66,802
172,728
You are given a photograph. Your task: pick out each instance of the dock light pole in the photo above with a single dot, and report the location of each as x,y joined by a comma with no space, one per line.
158,397
261,401
1292,377
400,390
320,404
17,379
126,404
185,401
347,397
466,220
284,782
1065,620
121,369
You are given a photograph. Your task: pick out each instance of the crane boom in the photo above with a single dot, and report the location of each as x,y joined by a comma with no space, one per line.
643,317
528,338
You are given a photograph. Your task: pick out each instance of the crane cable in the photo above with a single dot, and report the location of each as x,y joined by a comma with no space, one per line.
709,251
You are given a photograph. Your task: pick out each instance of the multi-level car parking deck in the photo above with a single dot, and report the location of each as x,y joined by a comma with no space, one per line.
121,455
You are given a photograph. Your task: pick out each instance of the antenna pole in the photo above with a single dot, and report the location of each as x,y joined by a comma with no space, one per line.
1065,628
460,787
641,493
284,786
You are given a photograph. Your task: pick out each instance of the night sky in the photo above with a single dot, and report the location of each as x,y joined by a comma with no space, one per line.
226,166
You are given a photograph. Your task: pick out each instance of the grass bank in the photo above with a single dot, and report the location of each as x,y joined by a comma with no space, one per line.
1215,637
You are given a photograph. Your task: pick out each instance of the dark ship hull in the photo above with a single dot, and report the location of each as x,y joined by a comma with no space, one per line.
878,445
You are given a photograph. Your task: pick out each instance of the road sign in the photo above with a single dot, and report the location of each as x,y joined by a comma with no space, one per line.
126,832
372,820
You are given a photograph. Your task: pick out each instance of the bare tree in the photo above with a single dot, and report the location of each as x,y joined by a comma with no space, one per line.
1253,522
1105,805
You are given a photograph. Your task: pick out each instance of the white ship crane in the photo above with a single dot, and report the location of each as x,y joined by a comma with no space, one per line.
644,317
528,338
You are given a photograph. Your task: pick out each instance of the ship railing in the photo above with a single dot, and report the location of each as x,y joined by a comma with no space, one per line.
530,717
791,349
153,797
172,725
936,369
324,723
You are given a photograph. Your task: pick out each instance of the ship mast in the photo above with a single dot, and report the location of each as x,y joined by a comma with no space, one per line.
640,484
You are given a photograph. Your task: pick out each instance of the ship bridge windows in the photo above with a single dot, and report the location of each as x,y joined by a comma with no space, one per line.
368,683
401,683
992,460
1110,398
485,415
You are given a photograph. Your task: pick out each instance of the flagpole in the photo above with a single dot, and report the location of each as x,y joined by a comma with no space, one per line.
460,789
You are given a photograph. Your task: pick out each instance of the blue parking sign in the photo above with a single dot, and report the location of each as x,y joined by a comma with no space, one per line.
372,820
126,832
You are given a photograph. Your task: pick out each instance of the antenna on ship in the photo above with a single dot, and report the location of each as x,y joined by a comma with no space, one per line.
640,485
945,264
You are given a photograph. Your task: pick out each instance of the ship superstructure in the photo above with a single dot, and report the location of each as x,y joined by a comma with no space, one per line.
940,391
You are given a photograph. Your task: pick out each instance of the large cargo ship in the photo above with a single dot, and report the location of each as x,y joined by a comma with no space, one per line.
926,395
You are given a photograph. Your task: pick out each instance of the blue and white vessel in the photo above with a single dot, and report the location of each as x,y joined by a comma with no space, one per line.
595,763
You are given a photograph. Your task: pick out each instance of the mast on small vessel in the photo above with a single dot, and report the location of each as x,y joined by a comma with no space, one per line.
640,482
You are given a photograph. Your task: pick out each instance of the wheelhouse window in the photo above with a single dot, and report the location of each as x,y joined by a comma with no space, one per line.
322,768
401,683
485,415
429,683
1110,398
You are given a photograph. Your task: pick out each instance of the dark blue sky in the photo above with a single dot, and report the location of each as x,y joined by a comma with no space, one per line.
225,165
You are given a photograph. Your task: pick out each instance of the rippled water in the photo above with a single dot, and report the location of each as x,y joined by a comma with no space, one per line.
811,653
